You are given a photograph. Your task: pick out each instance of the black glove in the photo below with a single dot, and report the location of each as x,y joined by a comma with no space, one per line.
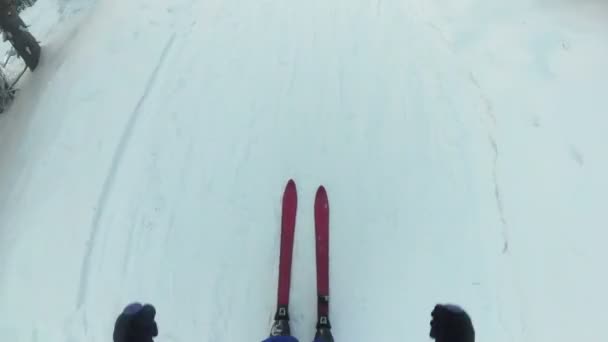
451,323
136,324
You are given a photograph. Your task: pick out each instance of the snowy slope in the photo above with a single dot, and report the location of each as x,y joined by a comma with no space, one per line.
461,143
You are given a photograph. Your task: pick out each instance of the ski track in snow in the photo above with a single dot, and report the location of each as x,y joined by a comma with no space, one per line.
109,182
490,122
461,143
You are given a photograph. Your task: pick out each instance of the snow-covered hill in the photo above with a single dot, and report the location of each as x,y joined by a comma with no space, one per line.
462,143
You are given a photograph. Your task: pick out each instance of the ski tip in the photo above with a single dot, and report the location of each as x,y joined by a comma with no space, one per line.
291,184
321,192
290,190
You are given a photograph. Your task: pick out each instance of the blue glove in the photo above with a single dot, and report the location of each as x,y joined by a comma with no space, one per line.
284,338
136,324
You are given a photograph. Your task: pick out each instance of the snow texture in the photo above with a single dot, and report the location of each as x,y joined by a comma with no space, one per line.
462,144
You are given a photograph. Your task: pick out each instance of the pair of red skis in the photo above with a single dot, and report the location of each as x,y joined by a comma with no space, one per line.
288,225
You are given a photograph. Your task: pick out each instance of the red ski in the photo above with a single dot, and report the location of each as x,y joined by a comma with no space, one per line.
322,251
288,225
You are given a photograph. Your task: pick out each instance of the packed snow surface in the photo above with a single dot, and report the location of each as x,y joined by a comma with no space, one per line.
462,144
